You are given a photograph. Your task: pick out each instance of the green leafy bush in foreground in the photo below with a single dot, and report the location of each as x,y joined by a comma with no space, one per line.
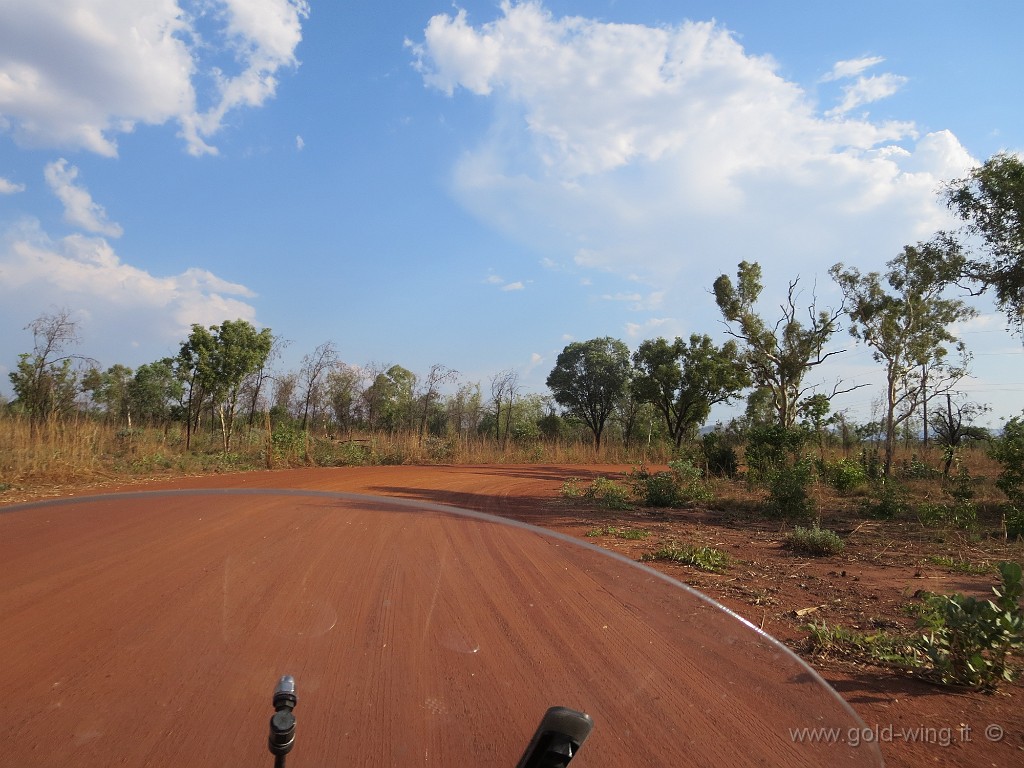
971,640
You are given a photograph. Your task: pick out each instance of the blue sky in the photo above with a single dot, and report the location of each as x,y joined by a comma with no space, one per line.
478,184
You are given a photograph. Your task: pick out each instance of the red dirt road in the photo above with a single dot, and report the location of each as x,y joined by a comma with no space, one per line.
150,629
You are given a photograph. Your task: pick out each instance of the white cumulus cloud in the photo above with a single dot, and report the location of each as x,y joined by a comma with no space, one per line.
8,187
76,73
669,153
79,207
124,307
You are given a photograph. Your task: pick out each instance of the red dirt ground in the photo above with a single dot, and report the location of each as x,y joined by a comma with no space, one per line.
111,655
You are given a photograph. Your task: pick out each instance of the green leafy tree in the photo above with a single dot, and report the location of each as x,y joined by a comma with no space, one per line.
109,388
778,356
389,399
155,392
904,317
683,381
991,200
589,378
214,362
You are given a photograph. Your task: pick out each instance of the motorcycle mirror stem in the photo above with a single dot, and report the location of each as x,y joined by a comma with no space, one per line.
282,723
557,739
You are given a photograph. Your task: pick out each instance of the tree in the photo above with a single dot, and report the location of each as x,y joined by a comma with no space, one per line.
991,200
344,386
779,356
589,377
155,391
465,410
683,381
389,399
44,382
312,374
429,393
906,325
214,362
252,386
504,386
282,395
110,389
954,427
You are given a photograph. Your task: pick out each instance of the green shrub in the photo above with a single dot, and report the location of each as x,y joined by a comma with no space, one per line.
872,463
682,484
661,490
916,469
971,640
789,495
771,449
608,494
705,558
571,489
813,541
845,475
887,500
1013,521
874,647
721,458
964,513
962,516
1008,450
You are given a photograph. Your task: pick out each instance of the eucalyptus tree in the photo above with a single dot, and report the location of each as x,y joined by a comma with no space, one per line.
905,318
991,200
778,356
588,380
684,380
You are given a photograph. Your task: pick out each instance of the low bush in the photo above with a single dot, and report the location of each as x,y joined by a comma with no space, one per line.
608,494
621,533
705,558
845,475
683,484
813,541
887,500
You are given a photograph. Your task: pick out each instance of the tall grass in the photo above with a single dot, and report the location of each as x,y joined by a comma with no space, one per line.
84,450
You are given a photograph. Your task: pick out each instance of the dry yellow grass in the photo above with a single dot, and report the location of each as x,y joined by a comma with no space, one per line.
85,451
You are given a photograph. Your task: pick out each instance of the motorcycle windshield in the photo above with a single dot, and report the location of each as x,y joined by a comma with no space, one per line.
151,629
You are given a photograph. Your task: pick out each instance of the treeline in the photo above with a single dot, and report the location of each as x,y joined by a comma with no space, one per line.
662,393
